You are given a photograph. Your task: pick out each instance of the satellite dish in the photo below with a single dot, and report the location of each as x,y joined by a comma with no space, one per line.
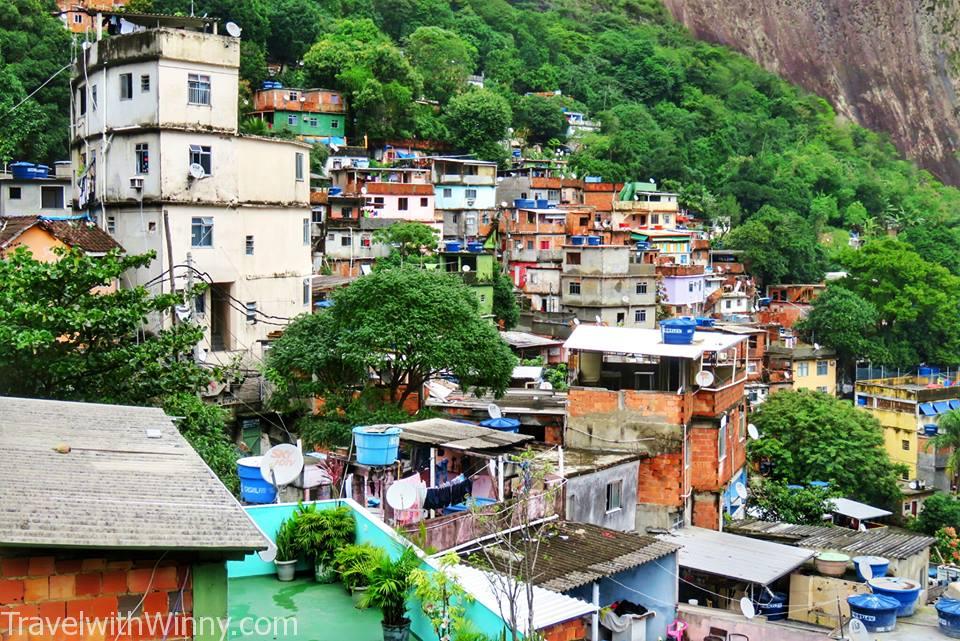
741,490
201,355
233,29
503,204
816,346
598,319
270,554
753,431
704,378
126,27
546,385
864,568
746,607
576,321
494,410
183,312
858,631
281,464
465,268
625,299
402,496
196,171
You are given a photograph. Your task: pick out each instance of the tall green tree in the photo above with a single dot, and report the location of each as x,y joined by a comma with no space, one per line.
810,436
542,118
478,121
948,438
773,501
940,510
407,325
505,308
779,247
845,322
444,60
408,241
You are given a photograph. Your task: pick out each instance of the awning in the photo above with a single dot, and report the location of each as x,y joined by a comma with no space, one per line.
926,409
954,404
737,557
941,406
857,510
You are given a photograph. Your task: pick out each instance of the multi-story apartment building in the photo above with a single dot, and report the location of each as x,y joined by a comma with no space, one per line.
680,405
466,196
640,205
79,15
609,283
384,192
312,115
684,289
163,169
801,366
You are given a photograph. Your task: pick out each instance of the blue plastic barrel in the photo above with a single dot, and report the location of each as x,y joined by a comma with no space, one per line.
904,591
820,484
502,424
525,203
878,566
930,429
773,607
877,612
253,489
475,247
22,170
376,446
594,241
452,246
578,240
677,331
542,203
705,322
41,171
948,615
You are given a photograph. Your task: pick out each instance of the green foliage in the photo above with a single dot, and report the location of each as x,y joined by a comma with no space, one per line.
779,247
940,510
557,376
774,501
478,121
505,307
444,60
204,427
286,541
948,438
388,585
542,118
321,533
318,157
441,597
842,321
808,436
294,27
408,239
60,338
331,425
947,546
354,562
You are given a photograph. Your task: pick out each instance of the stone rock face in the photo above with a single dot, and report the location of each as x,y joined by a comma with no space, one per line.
890,65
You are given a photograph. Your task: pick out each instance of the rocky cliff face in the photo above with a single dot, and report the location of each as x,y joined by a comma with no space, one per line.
890,65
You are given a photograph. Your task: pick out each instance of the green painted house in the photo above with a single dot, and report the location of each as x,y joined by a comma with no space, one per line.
476,268
307,113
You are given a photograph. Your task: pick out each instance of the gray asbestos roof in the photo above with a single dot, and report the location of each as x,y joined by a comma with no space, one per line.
883,541
440,432
115,488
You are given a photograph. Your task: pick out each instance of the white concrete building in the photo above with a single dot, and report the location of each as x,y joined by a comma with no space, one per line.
163,169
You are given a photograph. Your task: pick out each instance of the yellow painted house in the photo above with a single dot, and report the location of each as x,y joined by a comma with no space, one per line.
802,367
908,408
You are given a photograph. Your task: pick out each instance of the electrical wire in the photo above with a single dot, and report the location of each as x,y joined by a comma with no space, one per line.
153,574
33,93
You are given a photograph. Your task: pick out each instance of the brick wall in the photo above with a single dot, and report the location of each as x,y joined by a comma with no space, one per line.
706,512
38,593
660,480
572,630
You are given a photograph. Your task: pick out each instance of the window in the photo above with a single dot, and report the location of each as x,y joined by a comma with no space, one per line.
402,204
251,312
334,124
544,244
529,244
143,158
654,219
575,287
306,231
471,194
93,97
248,246
198,89
82,99
78,18
621,317
722,442
344,241
334,99
201,231
51,197
424,202
202,155
292,120
640,316
364,241
614,496
15,193
803,369
821,368
126,86
447,192
690,286
293,95
531,218
200,304
727,304
822,388
642,288
306,291
905,444
573,258
111,224
145,83
346,212
299,165
311,121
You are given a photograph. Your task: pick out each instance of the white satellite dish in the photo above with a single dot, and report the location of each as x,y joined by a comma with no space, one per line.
704,378
753,431
816,346
270,554
741,490
363,190
545,385
201,355
281,464
183,312
576,321
503,204
625,299
494,410
865,570
746,607
196,171
402,496
858,631
598,319
233,29
465,268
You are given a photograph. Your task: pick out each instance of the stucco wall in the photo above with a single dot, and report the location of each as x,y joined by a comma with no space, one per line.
486,197
31,198
586,497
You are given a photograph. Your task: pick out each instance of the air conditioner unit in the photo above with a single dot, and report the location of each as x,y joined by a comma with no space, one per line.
470,202
136,182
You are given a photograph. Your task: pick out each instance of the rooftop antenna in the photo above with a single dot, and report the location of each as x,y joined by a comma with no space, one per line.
233,29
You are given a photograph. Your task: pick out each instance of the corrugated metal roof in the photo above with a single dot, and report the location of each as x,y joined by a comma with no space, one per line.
858,510
115,488
549,607
884,541
646,342
738,557
440,432
522,340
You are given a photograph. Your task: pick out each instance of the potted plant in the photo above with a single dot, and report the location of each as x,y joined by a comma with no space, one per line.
353,563
320,533
287,552
388,584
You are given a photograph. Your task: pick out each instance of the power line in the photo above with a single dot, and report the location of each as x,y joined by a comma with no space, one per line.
34,92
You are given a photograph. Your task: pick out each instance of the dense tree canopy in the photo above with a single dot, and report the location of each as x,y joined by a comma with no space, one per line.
843,321
444,60
779,247
810,436
478,120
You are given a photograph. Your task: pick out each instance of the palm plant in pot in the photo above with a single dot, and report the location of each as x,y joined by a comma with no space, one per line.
388,585
287,551
320,533
354,563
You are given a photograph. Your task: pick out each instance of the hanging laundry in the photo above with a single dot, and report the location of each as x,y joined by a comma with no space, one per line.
448,494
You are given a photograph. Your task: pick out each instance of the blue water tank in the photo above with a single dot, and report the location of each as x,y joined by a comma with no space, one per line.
705,322
502,424
877,612
41,171
904,591
948,615
542,203
820,484
377,446
594,241
475,247
878,566
253,488
578,240
22,170
451,246
677,331
930,429
773,607
525,203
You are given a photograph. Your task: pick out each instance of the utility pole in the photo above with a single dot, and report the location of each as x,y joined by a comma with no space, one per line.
192,303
